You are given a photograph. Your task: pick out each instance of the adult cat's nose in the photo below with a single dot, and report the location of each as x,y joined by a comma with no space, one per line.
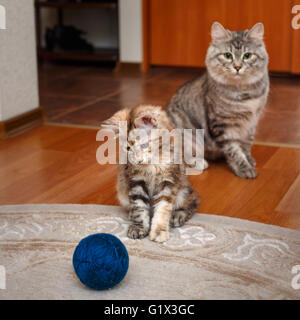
237,68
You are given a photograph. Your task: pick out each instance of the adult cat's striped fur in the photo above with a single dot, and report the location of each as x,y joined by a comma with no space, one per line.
228,99
155,195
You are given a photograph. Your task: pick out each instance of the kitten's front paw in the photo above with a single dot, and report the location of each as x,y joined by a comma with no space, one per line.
159,235
251,160
246,173
178,218
137,232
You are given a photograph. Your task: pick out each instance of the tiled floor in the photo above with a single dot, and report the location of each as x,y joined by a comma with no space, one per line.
87,95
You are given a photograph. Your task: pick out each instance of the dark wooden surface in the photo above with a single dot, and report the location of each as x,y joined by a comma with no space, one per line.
74,5
98,55
105,54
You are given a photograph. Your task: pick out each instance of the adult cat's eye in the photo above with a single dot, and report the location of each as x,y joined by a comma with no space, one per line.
247,55
228,55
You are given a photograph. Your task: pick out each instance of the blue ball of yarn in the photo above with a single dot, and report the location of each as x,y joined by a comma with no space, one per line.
100,261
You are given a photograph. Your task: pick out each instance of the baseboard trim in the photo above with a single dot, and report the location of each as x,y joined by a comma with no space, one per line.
22,123
71,125
277,144
128,67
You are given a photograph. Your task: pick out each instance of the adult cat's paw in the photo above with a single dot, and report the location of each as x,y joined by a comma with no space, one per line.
136,232
246,173
159,235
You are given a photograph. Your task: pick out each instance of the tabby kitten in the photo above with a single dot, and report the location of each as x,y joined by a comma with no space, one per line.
155,195
228,99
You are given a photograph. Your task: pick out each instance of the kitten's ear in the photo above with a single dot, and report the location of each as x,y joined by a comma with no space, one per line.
219,33
113,122
256,32
146,121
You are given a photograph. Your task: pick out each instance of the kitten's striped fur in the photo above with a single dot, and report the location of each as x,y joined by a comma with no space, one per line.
155,195
228,99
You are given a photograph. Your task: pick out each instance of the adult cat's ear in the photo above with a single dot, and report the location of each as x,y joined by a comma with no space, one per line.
256,32
145,121
219,33
113,122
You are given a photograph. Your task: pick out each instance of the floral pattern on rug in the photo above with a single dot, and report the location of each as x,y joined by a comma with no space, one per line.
205,259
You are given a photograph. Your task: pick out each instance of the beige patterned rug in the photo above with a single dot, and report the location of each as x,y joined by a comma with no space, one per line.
212,257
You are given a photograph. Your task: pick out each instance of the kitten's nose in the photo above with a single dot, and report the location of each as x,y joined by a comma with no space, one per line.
237,68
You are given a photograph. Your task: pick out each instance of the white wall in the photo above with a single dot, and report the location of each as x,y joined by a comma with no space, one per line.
18,67
2,18
130,28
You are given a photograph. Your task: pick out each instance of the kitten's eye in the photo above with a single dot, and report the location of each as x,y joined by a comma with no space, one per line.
228,55
247,55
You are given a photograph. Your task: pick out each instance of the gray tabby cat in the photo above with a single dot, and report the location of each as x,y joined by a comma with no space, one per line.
228,99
